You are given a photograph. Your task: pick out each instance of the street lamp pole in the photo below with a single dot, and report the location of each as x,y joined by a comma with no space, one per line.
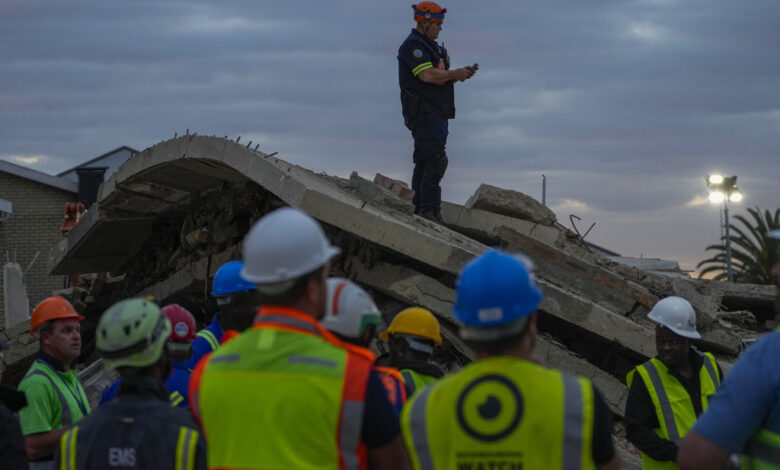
729,273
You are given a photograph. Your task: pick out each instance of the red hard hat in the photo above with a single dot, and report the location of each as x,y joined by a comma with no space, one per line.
182,322
52,308
428,11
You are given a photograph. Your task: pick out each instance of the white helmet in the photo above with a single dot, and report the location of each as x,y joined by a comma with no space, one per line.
676,314
350,309
282,246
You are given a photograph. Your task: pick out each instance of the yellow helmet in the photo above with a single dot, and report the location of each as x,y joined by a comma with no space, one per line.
414,321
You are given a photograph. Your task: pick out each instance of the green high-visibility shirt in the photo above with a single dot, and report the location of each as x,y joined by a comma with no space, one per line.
55,399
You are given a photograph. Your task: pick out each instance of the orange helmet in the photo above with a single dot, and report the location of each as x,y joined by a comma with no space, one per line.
428,11
52,308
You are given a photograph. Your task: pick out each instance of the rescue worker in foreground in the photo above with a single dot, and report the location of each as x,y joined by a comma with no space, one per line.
287,393
411,337
427,102
179,349
668,392
744,416
503,410
237,301
55,398
139,429
12,452
353,316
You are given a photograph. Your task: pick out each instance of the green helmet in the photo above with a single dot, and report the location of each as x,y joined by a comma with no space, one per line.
132,333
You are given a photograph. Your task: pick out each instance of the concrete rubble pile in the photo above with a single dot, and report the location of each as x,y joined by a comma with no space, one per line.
169,217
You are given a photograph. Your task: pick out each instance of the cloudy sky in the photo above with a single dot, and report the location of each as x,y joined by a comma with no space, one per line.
623,105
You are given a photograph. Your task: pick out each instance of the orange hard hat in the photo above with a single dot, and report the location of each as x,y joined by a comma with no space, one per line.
428,11
52,308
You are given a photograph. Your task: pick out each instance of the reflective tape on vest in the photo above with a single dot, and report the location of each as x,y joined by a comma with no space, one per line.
663,402
573,422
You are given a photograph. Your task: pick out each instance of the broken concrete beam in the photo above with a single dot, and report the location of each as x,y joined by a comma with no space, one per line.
95,379
197,164
397,187
413,288
587,280
191,278
593,317
614,391
510,203
485,226
379,195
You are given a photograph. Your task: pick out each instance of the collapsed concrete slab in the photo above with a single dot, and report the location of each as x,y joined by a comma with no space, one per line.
510,203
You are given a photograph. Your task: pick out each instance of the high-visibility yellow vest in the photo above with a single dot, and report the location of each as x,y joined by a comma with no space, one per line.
501,412
415,381
673,406
286,394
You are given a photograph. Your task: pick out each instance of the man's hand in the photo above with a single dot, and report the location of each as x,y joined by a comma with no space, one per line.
464,73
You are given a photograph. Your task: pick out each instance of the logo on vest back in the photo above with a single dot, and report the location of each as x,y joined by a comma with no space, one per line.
490,408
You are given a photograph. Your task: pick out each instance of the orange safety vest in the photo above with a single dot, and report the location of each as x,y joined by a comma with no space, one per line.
277,376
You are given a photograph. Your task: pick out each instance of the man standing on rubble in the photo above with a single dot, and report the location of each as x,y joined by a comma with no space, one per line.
237,301
427,102
313,400
55,398
503,410
411,337
744,416
669,391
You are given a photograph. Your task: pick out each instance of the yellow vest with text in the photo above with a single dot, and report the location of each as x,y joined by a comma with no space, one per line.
285,394
673,406
502,413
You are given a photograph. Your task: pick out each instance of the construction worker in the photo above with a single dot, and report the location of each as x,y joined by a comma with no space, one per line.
12,452
179,350
504,411
287,393
237,301
744,416
668,392
55,398
427,102
411,338
353,316
139,429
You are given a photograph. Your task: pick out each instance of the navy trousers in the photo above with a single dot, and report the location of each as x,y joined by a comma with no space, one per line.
429,132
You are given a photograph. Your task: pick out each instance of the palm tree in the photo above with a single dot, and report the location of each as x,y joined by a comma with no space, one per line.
752,252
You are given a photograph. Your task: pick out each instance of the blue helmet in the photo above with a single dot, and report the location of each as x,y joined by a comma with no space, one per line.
228,280
494,290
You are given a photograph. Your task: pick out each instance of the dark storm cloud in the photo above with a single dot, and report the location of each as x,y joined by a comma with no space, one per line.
624,105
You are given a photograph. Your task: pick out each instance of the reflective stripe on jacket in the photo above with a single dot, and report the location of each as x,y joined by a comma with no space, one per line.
292,378
502,412
415,381
673,406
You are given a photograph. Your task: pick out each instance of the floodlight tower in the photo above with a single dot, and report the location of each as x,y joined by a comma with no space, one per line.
724,189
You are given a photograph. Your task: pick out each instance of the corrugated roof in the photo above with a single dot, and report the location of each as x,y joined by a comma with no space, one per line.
38,176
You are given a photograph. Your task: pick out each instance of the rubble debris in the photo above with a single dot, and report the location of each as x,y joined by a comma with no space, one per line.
510,203
593,318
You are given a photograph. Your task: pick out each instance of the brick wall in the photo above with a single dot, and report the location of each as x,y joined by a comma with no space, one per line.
34,226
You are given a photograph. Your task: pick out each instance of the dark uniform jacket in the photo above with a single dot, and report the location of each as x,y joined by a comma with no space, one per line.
137,430
416,54
13,455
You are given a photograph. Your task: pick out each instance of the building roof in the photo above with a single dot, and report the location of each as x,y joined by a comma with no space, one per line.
97,159
38,176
